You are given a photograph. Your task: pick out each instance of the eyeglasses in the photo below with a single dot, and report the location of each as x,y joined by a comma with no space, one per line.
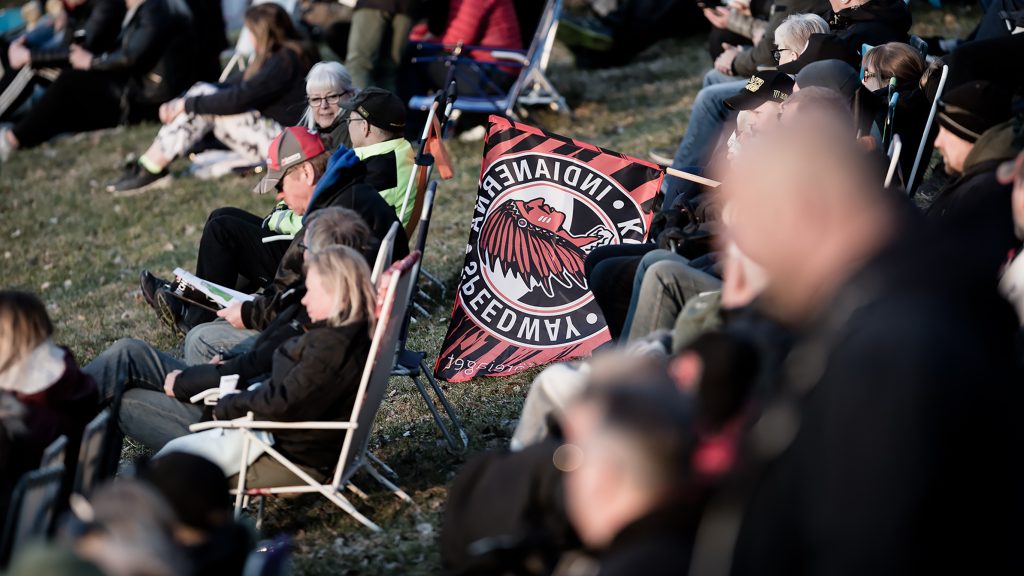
304,247
330,99
777,54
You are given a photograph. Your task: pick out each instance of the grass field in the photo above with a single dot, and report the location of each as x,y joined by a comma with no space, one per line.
81,250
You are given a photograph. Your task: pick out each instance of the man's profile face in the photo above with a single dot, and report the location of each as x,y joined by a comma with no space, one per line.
541,215
297,188
764,116
954,150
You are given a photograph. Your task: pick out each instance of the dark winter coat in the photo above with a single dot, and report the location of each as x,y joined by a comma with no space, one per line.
93,25
277,90
155,52
877,22
973,213
747,61
315,377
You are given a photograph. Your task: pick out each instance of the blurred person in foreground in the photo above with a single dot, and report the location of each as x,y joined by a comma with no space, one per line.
887,433
1011,284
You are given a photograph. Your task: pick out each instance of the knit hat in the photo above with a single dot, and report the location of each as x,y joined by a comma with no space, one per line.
832,74
762,87
972,108
292,147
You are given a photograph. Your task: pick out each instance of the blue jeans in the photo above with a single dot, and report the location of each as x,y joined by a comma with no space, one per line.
135,372
218,337
707,117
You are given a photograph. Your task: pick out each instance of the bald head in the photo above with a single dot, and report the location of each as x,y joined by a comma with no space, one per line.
806,205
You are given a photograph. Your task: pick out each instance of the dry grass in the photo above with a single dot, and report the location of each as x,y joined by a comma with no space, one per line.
81,250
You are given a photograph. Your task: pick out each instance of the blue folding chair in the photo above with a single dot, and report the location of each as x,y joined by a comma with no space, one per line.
531,87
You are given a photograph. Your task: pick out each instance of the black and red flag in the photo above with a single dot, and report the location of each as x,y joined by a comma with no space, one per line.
544,202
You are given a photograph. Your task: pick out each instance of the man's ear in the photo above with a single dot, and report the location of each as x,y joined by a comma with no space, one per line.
308,174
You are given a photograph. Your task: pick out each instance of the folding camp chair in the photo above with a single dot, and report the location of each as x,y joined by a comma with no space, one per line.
412,363
895,149
94,457
531,87
385,253
54,454
927,131
32,509
391,304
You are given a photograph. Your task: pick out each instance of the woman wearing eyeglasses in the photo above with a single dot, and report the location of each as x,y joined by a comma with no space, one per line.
245,114
328,86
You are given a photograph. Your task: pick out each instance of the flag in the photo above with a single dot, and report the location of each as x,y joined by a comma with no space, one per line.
543,203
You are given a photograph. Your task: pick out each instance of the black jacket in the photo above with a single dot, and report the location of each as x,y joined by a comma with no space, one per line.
96,24
345,187
657,544
973,213
277,90
256,363
883,451
877,22
315,377
155,52
747,61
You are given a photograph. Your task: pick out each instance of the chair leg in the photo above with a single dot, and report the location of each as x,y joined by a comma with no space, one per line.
259,512
355,490
434,280
380,463
347,506
454,446
387,483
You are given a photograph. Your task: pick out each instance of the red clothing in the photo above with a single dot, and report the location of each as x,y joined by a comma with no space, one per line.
490,23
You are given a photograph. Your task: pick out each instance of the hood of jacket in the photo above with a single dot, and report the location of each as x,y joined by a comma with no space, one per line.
996,145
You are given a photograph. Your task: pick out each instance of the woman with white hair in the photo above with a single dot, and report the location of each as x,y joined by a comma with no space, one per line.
328,85
792,35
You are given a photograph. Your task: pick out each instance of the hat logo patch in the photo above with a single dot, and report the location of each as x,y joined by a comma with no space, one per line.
780,95
362,112
294,157
755,84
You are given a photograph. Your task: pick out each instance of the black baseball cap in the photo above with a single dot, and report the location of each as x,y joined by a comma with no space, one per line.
765,86
380,108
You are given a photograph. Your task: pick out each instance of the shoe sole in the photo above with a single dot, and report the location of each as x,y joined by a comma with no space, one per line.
572,34
166,315
658,158
160,184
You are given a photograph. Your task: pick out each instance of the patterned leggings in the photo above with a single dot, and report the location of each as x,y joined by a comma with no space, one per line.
248,133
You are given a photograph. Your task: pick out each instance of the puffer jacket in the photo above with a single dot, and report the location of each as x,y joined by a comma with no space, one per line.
315,377
155,52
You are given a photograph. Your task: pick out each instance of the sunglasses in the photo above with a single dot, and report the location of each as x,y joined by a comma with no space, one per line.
777,54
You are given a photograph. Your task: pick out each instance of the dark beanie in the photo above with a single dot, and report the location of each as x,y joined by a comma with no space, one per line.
832,74
195,488
972,108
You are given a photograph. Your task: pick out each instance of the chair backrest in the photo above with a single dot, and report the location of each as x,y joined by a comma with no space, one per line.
385,253
55,453
92,455
540,49
391,306
32,509
421,244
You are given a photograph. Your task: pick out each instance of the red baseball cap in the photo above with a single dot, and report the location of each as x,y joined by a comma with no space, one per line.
292,147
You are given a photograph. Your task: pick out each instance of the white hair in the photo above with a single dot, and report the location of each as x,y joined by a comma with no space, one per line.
796,30
325,77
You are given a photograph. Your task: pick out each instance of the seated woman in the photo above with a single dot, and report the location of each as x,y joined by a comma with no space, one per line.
315,347
328,85
43,394
245,114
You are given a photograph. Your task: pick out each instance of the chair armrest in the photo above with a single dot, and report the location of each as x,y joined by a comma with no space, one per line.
517,57
209,397
278,238
246,424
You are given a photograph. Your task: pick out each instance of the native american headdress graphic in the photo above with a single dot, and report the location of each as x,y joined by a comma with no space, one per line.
528,240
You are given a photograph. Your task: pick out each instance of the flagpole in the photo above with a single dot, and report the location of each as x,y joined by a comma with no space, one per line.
692,177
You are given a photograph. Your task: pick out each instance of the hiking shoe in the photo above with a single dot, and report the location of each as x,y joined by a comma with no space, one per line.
586,31
661,156
150,285
135,180
171,311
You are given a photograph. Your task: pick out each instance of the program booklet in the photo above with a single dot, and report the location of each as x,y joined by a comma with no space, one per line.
194,290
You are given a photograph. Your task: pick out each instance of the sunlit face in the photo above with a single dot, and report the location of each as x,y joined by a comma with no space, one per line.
954,150
319,301
762,117
358,130
326,105
541,215
872,80
296,188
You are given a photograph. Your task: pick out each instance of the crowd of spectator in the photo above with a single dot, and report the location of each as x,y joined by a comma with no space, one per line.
813,367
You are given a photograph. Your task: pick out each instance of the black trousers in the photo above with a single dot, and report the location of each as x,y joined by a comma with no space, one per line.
610,271
79,101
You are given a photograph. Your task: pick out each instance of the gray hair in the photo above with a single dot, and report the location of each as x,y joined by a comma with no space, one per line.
796,29
325,77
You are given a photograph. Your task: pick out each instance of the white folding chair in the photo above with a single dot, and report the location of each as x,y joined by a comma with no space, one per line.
895,148
531,88
385,253
391,304
927,131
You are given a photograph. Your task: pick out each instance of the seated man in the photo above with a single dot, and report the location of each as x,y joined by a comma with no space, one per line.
376,123
973,212
307,179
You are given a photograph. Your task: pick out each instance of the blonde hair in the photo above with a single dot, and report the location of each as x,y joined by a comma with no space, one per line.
796,30
272,29
334,225
346,276
24,325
